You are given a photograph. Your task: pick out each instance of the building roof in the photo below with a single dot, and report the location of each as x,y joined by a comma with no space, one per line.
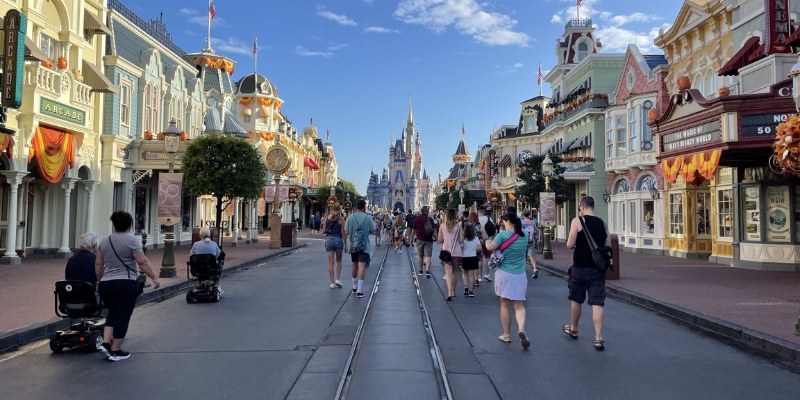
655,60
233,127
256,84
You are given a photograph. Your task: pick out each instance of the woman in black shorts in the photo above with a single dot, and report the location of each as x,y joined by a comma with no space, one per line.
469,262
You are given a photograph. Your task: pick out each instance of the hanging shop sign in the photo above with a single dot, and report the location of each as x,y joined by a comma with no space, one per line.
61,111
692,137
547,208
14,27
777,202
761,126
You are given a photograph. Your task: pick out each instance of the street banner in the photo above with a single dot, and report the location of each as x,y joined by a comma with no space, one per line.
170,188
547,208
283,196
269,193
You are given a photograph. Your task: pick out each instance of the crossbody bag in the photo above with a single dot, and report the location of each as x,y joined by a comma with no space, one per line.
140,278
445,255
601,256
497,256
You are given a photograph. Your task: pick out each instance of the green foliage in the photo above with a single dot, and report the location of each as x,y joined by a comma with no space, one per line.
445,201
349,187
224,167
341,193
531,175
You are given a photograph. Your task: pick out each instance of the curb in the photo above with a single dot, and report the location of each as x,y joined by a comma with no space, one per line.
16,338
777,350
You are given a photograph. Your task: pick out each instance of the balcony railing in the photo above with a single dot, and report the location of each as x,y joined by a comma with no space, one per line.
598,101
638,159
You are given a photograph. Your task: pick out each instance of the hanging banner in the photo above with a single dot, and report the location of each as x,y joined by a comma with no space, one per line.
269,193
14,27
170,188
547,208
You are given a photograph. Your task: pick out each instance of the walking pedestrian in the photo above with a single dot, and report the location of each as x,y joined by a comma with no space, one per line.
584,277
409,234
334,244
317,221
451,238
378,228
475,222
510,280
529,227
488,229
358,227
116,266
399,228
423,226
469,262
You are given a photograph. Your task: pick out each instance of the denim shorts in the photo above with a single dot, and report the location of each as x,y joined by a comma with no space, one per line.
334,243
583,281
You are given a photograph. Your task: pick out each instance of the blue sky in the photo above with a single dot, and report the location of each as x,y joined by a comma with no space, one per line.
352,64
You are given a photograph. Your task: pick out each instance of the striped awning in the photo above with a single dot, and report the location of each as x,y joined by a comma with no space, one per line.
212,121
579,143
554,147
233,127
506,161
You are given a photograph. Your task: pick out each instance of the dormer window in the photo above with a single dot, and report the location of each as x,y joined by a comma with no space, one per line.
583,51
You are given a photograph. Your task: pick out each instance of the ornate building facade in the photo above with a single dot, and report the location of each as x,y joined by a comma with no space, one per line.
404,184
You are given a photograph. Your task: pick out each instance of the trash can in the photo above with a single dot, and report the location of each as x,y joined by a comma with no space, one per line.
288,234
613,272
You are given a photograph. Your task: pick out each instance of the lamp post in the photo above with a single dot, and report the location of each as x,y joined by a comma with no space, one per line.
347,204
547,172
172,141
293,194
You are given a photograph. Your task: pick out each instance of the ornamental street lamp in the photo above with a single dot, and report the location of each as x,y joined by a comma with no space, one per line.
293,194
172,141
547,172
347,204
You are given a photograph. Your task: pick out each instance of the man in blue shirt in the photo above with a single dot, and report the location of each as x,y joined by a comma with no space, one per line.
359,226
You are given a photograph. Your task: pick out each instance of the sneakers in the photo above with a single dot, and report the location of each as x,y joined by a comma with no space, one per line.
421,273
359,295
338,284
119,355
332,286
105,348
486,278
535,274
428,275
480,279
471,294
355,290
466,291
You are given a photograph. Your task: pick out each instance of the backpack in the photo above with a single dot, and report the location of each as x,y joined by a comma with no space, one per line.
428,227
360,239
490,228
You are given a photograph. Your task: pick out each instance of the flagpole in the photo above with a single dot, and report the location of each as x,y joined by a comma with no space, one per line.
255,56
540,77
208,38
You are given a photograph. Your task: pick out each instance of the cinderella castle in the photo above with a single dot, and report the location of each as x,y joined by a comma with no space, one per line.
404,185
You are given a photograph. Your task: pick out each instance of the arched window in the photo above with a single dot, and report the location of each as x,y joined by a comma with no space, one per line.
154,102
621,186
583,51
645,183
530,124
148,108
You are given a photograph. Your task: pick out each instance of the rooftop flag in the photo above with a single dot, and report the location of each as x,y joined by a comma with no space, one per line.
212,11
539,77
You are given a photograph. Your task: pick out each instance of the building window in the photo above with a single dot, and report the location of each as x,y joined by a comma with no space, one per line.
125,104
583,51
148,108
676,214
647,133
50,46
622,137
632,121
186,211
648,211
632,209
703,213
530,124
725,213
610,138
797,214
155,124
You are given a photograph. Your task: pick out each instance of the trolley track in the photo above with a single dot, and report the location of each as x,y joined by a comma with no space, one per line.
440,373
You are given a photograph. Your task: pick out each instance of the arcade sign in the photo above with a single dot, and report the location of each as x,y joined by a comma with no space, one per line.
14,27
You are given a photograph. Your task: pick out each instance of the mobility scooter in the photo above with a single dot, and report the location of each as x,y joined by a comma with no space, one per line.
78,301
206,270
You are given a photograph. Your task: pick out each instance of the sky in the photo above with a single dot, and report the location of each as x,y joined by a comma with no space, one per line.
354,65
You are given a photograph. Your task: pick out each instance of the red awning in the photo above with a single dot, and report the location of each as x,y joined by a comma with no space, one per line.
310,163
751,51
794,38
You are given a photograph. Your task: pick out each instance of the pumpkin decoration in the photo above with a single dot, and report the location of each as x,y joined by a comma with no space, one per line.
160,136
148,135
723,91
184,136
684,83
48,63
652,114
62,63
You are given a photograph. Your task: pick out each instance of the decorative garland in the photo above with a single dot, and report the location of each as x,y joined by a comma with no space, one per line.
574,105
786,148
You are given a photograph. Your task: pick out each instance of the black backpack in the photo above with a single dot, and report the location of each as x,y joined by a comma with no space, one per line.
490,228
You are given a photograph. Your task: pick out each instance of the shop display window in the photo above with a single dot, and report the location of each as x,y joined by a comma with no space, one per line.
634,220
703,213
676,214
648,211
725,213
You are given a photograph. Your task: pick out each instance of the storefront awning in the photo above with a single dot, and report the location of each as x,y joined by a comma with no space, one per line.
92,23
751,51
694,168
212,121
94,78
554,147
33,52
233,127
580,143
506,161
310,163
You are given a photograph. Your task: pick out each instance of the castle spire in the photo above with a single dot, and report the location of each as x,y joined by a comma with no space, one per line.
410,112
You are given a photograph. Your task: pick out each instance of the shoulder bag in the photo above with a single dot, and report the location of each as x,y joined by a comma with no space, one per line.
445,255
140,278
601,256
497,256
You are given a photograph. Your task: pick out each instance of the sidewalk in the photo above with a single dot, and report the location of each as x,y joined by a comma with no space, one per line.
757,309
26,290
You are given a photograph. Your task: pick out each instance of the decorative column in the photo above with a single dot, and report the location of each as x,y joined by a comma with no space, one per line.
64,251
90,187
14,178
253,225
235,223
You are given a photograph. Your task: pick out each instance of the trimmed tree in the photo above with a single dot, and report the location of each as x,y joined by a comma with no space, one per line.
531,175
224,167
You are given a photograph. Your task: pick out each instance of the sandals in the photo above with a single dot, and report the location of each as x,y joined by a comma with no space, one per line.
599,345
570,332
504,338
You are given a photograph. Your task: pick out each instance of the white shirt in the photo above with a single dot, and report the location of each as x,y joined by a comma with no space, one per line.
471,247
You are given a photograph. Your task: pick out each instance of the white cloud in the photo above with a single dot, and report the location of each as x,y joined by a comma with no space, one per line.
467,16
519,65
303,52
340,19
611,29
232,45
380,29
195,17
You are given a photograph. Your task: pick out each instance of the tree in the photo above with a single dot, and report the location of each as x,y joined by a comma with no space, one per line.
443,201
341,194
531,175
348,187
224,167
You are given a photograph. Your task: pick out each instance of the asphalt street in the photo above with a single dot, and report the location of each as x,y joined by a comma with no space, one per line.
281,333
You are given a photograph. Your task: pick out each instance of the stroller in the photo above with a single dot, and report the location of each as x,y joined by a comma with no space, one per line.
206,269
79,301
